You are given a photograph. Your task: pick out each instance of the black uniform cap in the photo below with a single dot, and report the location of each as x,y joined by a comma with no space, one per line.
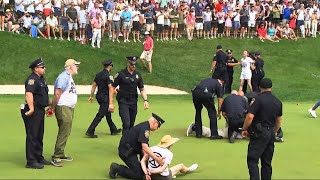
219,47
107,62
257,53
159,119
266,83
229,51
36,63
132,59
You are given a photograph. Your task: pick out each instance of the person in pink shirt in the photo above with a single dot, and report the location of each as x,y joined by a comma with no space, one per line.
96,24
147,51
190,21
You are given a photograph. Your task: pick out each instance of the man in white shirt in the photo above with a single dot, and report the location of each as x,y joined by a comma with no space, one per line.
155,171
63,103
252,21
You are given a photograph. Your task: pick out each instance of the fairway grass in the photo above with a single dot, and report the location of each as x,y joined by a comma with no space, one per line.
296,158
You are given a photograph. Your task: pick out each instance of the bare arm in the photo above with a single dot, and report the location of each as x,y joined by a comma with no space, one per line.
278,124
111,94
246,124
29,99
93,89
213,65
144,164
145,98
56,97
220,101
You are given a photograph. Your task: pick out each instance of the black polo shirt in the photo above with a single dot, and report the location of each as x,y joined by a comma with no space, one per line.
234,106
136,136
128,84
231,60
259,63
103,79
265,108
221,59
38,87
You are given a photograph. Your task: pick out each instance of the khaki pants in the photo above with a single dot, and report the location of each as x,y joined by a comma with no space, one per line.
64,117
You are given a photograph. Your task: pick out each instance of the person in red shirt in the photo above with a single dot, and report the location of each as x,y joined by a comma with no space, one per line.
96,24
262,32
147,51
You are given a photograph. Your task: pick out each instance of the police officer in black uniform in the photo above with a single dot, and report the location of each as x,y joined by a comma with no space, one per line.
128,80
231,61
258,71
103,80
33,113
262,122
219,65
202,95
234,109
133,143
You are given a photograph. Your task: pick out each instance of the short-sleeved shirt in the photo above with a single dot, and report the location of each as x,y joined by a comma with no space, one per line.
212,87
199,14
37,85
235,107
174,19
103,79
149,14
245,64
265,108
72,13
231,60
160,152
126,16
128,84
69,95
221,59
244,15
134,137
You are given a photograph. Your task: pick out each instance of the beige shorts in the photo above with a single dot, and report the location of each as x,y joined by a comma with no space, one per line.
150,27
147,55
174,25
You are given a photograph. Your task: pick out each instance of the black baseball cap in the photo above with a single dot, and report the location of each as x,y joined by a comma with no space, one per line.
257,53
159,119
265,83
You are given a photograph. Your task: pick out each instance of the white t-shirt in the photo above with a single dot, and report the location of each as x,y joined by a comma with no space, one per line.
245,64
252,15
160,152
69,95
29,8
136,18
27,21
300,14
57,3
39,7
82,16
160,18
236,17
207,16
47,6
52,22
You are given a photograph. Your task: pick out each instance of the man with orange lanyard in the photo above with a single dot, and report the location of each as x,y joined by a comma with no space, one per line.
96,29
147,51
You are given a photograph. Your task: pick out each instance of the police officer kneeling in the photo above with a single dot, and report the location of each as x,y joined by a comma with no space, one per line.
33,114
262,122
133,143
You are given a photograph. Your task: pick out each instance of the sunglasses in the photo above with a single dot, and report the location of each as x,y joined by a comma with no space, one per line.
42,67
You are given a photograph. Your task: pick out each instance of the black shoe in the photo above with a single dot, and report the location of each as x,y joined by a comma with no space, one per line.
116,132
34,166
216,137
233,137
89,135
198,136
113,170
45,162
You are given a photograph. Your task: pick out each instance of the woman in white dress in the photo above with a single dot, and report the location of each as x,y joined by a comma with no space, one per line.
246,63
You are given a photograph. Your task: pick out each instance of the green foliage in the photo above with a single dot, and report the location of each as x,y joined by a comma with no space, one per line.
178,65
293,159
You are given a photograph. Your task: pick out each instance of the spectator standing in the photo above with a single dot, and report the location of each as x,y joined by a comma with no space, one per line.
136,26
2,14
160,25
149,16
116,23
47,7
126,17
29,6
38,7
199,23
73,18
244,18
19,8
314,23
63,103
190,22
174,18
207,18
147,51
82,22
103,17
236,22
96,24
37,99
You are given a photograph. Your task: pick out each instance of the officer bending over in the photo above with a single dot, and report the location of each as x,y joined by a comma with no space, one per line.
136,142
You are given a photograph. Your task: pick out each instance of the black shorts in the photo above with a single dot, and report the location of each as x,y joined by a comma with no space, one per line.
180,27
160,28
136,26
244,24
214,24
166,27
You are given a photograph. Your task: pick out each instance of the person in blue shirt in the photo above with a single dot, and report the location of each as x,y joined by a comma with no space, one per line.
126,17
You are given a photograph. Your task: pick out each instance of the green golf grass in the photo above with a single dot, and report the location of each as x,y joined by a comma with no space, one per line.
296,158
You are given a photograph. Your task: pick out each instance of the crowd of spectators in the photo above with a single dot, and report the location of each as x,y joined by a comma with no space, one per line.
165,19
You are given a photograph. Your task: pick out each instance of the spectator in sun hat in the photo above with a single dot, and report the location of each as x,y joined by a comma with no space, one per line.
155,171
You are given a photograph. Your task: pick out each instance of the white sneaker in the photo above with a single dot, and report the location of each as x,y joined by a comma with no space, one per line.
312,113
118,41
134,40
204,38
61,38
176,39
68,38
189,130
125,40
128,40
193,167
138,40
93,46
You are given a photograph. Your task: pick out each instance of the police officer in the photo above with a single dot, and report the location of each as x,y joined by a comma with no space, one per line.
262,122
231,61
103,80
202,95
128,80
234,109
219,65
258,71
33,113
136,142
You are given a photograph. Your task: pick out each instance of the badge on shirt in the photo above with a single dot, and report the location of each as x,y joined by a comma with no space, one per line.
137,76
252,101
147,134
115,76
31,82
111,78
